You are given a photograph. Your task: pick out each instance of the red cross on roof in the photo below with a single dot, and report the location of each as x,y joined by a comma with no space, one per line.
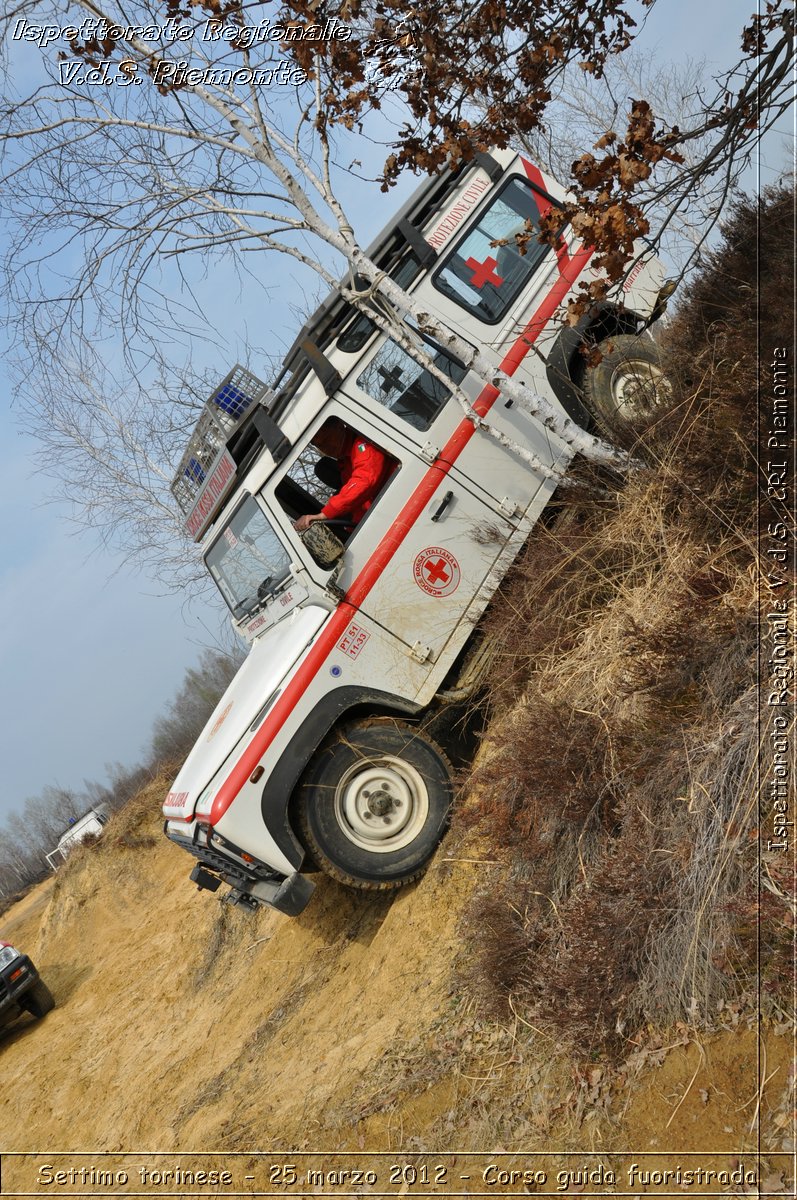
483,272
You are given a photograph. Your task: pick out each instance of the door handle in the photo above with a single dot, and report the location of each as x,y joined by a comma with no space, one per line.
443,505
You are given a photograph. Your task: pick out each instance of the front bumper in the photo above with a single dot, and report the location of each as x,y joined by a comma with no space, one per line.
15,980
252,885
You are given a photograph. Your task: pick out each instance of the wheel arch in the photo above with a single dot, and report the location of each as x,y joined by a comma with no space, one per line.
565,365
342,704
38,1000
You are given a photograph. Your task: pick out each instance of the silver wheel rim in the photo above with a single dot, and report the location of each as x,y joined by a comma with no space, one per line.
382,804
638,387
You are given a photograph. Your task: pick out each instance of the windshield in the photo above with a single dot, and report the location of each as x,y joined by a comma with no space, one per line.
248,562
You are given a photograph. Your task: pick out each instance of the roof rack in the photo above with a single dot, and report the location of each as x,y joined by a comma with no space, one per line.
221,414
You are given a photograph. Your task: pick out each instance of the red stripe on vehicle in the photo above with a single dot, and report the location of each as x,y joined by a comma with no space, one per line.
371,572
544,205
568,274
535,177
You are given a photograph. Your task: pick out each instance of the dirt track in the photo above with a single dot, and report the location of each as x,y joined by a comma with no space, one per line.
181,1025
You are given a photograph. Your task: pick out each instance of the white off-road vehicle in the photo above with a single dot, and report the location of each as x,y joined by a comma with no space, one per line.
319,754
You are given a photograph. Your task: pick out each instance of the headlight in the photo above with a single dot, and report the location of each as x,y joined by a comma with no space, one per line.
7,955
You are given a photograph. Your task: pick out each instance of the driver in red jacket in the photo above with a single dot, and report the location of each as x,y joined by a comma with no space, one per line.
363,469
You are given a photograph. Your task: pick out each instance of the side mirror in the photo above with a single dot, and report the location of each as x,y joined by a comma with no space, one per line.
324,546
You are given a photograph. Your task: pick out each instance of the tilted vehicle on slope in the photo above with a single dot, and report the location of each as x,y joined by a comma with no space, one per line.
318,751
21,988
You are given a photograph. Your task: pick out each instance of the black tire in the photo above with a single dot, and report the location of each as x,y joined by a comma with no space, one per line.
374,802
628,383
39,1000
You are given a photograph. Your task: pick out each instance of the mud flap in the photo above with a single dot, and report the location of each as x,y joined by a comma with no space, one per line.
291,896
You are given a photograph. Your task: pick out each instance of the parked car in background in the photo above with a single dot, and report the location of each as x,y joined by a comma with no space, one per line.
21,988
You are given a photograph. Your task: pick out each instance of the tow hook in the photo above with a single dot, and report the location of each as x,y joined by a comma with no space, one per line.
241,900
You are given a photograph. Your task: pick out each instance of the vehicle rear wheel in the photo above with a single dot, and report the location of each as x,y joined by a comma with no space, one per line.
628,383
39,1000
374,802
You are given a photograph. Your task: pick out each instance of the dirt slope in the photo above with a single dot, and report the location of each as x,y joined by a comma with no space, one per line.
200,1010
181,1024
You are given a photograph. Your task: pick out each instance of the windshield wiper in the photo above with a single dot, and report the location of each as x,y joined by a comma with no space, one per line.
266,590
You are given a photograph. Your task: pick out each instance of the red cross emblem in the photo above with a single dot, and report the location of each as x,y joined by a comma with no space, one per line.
483,272
436,571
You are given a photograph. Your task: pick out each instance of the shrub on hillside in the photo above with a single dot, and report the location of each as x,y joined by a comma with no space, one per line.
618,772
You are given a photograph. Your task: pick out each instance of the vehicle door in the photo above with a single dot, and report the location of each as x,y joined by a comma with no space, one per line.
420,555
421,409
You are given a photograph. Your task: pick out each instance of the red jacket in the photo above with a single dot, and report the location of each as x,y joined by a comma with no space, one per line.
363,469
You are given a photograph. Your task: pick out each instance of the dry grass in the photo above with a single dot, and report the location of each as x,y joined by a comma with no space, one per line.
136,826
619,775
7,902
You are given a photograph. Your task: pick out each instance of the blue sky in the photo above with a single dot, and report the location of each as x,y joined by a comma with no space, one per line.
90,650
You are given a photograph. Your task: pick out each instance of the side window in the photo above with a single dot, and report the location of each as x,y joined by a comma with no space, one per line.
486,278
337,476
394,379
301,490
358,331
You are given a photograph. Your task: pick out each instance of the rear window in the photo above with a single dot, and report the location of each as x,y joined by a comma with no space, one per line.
484,278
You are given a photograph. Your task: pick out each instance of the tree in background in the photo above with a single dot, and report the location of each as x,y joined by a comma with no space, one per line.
582,108
110,185
494,73
28,835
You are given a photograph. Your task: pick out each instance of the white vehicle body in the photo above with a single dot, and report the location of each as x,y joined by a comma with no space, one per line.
380,631
89,825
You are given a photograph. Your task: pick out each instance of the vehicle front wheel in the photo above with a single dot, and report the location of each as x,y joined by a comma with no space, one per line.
628,383
374,802
39,1000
